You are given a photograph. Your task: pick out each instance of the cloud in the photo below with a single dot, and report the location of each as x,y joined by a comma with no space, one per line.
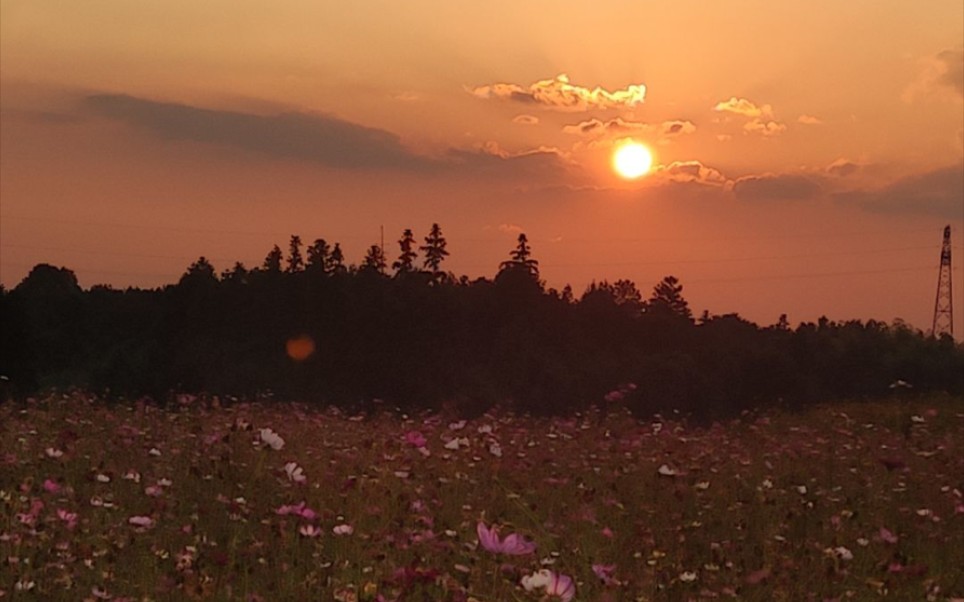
939,192
941,76
304,136
742,106
776,187
842,168
952,62
525,119
510,228
561,95
493,160
691,171
676,128
764,128
809,120
596,127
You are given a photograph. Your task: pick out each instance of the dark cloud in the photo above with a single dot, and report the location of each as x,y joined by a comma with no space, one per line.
305,136
677,127
544,163
953,75
780,187
939,192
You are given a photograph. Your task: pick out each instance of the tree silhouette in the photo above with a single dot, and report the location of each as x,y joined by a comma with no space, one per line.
295,261
434,250
374,260
406,260
521,258
336,261
667,299
272,262
318,254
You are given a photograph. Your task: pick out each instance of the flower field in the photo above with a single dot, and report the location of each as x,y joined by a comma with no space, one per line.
265,502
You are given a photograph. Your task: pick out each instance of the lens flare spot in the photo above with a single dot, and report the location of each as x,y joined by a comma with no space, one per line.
300,348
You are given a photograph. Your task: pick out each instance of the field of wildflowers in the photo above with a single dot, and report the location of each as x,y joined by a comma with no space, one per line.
265,502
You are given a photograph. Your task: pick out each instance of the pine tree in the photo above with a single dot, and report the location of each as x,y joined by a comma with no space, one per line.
336,261
521,258
375,260
295,262
667,297
272,262
434,250
406,260
318,254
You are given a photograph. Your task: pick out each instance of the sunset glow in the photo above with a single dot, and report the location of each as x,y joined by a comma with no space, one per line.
632,160
806,161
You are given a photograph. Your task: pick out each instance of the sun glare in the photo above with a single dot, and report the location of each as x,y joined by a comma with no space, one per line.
632,160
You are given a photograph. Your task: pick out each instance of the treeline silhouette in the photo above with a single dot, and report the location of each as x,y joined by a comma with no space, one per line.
305,325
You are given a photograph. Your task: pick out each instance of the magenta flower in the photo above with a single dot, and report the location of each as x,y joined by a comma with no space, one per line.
513,544
415,438
51,486
299,509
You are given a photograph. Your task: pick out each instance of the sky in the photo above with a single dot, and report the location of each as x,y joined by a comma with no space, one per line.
807,155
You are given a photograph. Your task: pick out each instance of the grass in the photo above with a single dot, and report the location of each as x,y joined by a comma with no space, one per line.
851,501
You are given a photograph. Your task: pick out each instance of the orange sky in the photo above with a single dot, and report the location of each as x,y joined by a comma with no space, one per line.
808,154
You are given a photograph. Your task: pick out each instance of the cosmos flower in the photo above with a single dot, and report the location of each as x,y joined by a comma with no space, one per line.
272,439
295,472
415,439
513,544
344,529
605,573
141,521
554,584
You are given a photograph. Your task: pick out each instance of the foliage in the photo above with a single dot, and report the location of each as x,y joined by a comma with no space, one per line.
424,341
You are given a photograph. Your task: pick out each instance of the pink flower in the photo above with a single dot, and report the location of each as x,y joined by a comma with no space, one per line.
415,438
51,486
562,586
513,544
68,517
887,536
299,509
141,521
605,573
344,529
309,531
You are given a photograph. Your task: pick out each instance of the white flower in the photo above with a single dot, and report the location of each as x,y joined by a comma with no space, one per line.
272,438
666,471
154,452
53,453
496,450
703,485
802,489
687,576
536,580
344,529
295,472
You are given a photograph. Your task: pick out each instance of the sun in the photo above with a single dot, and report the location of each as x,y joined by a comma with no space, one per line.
632,160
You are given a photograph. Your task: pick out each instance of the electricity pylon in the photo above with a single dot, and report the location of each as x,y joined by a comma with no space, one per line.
943,304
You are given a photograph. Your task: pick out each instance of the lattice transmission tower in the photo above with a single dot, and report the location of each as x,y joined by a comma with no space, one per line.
943,304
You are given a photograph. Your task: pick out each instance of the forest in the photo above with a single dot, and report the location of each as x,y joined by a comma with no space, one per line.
305,325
